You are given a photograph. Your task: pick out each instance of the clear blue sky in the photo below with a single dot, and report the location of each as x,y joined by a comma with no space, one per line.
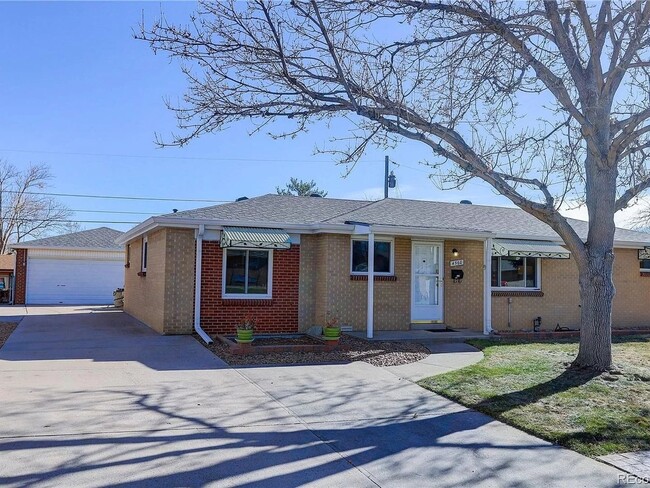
79,94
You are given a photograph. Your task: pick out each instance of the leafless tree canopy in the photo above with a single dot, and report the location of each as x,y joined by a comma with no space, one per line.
23,212
546,101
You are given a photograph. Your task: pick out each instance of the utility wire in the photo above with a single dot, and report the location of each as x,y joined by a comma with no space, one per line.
183,158
72,221
116,212
114,197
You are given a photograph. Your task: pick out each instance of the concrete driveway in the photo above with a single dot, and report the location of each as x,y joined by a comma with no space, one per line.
91,397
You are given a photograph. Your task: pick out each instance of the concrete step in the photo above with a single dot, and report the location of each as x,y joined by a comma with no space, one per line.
429,326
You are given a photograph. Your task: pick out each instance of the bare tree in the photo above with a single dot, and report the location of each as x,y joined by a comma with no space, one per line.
23,212
546,101
300,188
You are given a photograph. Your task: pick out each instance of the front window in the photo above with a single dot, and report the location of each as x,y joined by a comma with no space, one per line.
247,272
383,257
645,265
514,272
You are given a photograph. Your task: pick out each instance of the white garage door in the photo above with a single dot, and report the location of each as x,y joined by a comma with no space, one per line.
72,281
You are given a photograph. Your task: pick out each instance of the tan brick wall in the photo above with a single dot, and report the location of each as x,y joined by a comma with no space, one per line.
326,257
144,296
179,282
309,259
561,300
464,300
559,305
632,291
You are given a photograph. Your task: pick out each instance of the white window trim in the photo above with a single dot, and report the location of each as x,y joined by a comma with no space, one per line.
246,296
538,284
643,270
391,272
143,261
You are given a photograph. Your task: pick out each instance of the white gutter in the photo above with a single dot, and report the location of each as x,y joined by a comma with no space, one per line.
487,286
197,286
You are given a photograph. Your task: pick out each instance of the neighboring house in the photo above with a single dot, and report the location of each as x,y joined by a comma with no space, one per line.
288,260
7,262
78,268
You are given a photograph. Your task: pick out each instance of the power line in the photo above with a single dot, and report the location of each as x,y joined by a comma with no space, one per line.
116,212
114,197
71,221
182,158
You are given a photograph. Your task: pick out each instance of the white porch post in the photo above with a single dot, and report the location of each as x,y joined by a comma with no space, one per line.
371,284
487,287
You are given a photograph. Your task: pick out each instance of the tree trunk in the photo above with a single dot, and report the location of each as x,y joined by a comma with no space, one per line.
597,294
595,266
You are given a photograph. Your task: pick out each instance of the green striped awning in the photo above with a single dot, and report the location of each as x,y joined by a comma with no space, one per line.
255,237
530,249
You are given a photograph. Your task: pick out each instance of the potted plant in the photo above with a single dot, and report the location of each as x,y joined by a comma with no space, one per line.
245,330
332,329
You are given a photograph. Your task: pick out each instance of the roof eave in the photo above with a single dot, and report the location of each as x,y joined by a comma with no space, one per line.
67,248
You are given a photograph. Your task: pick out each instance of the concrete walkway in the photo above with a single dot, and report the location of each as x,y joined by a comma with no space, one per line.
443,358
94,398
635,463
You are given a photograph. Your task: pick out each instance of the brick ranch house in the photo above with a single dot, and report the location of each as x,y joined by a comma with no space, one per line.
287,261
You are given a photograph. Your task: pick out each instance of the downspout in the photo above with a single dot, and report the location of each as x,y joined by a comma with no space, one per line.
197,286
370,325
487,287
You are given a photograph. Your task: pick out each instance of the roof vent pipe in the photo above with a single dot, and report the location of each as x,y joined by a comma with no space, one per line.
466,202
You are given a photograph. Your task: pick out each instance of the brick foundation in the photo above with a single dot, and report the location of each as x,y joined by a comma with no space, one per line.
276,315
20,289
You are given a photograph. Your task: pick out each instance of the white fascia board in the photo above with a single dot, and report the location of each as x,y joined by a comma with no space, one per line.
557,240
631,244
430,232
141,228
61,248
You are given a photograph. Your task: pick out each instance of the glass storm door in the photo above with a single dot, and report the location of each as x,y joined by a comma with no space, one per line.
426,282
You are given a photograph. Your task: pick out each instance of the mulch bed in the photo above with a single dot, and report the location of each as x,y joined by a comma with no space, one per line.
352,349
6,328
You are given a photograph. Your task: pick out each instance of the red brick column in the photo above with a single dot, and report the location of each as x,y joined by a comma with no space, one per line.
276,315
20,289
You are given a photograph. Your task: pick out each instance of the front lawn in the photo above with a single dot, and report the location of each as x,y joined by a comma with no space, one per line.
528,385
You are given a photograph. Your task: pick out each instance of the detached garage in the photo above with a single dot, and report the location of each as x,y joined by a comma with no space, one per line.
82,268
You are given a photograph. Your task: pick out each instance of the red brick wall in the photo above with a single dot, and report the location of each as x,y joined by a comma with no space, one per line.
278,314
21,277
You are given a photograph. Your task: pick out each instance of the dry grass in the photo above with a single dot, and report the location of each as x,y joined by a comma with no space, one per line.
353,349
528,385
6,328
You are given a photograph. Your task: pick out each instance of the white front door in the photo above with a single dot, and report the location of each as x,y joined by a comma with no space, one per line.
427,272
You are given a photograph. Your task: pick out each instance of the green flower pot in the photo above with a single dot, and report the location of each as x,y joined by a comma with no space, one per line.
244,335
332,332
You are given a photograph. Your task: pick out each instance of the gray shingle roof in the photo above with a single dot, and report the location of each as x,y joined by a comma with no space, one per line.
276,208
100,238
502,221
